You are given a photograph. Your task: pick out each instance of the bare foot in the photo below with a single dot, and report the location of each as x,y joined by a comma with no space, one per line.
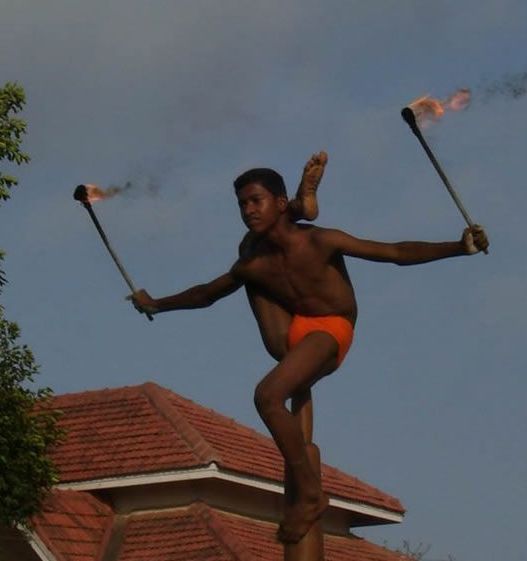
299,518
305,204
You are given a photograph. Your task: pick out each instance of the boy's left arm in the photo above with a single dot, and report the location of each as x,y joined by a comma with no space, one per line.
472,241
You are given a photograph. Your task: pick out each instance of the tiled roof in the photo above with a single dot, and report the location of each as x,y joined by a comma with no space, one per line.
75,527
148,429
258,538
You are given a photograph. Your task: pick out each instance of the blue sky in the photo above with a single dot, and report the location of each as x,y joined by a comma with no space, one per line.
179,98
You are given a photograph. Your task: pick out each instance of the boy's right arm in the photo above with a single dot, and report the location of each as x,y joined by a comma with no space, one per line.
199,296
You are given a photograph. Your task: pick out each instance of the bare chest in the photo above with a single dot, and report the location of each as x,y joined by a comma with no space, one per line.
287,275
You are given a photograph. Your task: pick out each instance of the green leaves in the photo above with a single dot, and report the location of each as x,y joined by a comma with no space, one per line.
12,130
28,424
28,430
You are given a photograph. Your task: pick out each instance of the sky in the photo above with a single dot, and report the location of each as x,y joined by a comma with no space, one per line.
180,97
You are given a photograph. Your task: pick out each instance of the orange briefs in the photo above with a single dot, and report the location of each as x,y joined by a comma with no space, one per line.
338,327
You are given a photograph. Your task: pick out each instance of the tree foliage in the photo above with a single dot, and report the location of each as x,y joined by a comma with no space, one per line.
28,426
12,129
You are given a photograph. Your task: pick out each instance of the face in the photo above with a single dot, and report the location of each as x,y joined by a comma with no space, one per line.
259,208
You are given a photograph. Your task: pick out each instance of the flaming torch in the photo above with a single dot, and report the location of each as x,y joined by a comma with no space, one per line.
86,194
425,110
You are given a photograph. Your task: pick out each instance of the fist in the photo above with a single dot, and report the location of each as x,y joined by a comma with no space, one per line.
474,239
143,302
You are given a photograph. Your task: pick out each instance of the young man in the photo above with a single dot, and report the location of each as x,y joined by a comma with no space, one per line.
305,306
273,321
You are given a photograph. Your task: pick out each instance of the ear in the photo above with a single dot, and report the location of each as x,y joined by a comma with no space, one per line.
282,203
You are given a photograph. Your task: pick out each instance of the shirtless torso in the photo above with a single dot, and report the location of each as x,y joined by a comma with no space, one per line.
306,276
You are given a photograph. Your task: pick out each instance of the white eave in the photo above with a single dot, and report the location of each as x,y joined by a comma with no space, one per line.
212,471
38,545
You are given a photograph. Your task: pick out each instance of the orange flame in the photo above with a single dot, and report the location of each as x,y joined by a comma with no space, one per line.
95,193
429,110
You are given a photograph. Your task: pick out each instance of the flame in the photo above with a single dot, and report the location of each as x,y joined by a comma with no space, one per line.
429,110
95,193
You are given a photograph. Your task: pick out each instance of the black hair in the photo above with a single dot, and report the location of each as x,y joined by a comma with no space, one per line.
266,177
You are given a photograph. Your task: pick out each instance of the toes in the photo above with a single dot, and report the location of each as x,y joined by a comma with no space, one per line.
322,158
311,162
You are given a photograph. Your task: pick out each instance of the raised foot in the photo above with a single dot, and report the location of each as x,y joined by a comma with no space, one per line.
306,204
299,518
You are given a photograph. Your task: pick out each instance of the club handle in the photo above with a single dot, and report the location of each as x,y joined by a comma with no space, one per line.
409,117
112,253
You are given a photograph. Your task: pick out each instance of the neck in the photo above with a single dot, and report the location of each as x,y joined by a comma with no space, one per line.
280,235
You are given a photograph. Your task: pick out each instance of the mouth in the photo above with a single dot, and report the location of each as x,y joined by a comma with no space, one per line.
251,221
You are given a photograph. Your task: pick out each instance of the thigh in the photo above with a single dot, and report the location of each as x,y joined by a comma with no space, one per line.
309,361
273,323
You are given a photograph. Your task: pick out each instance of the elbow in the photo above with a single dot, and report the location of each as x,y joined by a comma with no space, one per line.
398,256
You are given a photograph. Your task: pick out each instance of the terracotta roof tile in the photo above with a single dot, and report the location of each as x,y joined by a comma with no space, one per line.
203,533
73,525
147,429
76,526
259,538
117,432
171,536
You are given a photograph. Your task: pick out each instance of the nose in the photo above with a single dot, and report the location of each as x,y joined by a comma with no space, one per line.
248,210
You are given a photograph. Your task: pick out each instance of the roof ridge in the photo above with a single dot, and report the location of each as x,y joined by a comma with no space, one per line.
227,418
112,540
221,532
98,391
201,448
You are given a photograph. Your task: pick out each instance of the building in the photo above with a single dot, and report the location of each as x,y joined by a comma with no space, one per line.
147,475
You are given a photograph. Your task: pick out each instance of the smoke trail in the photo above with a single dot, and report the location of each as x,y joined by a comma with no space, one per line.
138,185
114,190
510,85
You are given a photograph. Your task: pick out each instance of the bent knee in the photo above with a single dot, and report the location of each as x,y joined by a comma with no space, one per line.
265,400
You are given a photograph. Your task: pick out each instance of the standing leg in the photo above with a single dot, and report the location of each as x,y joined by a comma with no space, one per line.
314,357
311,546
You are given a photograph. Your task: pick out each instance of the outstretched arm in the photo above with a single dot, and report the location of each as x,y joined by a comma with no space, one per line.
473,241
199,296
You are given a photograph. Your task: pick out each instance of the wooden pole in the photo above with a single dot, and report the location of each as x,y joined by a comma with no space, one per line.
311,546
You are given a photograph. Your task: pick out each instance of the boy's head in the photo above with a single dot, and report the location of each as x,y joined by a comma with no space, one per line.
266,177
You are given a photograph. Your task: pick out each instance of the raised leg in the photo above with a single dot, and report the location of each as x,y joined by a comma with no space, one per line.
314,357
305,204
273,322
